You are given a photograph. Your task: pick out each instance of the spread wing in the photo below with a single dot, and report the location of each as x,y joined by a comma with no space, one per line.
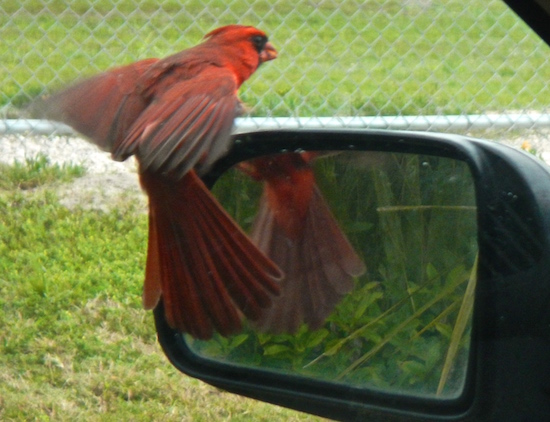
188,122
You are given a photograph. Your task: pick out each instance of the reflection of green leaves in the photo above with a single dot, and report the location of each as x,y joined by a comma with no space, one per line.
431,272
353,310
295,347
276,350
225,345
398,329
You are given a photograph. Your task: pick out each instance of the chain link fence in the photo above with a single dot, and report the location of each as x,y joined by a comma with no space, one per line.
443,65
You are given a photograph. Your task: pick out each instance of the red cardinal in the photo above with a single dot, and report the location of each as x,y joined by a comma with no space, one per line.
296,229
175,115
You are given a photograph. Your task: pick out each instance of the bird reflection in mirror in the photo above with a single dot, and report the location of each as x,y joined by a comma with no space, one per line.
297,230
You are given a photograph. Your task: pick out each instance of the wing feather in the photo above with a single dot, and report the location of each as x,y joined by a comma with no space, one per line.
186,124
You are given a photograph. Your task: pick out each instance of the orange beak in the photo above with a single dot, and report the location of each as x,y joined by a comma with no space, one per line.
268,53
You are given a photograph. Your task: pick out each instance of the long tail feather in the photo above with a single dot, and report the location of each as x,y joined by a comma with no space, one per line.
208,270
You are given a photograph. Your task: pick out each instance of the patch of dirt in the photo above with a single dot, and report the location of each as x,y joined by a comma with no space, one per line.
105,183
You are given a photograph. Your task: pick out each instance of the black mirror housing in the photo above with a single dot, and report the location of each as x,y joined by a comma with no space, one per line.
508,369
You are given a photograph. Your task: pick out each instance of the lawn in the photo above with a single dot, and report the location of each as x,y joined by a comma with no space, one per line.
345,58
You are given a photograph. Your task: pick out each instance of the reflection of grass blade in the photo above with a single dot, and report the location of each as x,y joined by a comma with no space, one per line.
438,318
460,326
442,295
334,349
392,239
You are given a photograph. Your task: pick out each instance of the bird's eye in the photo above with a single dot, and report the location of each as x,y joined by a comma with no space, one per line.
259,42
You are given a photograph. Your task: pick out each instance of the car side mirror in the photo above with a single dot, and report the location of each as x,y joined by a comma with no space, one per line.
417,277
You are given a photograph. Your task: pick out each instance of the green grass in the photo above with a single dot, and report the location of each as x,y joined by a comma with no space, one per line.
75,343
343,58
36,171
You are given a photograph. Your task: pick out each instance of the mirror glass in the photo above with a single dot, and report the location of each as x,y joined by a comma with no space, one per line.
379,254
